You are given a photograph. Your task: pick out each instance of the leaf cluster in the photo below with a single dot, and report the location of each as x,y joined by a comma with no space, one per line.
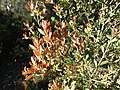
75,44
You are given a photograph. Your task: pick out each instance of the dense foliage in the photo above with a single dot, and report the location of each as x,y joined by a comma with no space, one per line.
76,44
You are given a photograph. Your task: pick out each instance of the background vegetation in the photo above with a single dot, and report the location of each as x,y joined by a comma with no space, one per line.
14,52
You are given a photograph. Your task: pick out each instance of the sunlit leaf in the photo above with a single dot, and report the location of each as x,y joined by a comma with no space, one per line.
43,62
25,69
109,36
44,24
31,69
24,73
103,63
29,77
42,32
73,85
66,88
48,25
31,5
50,34
45,51
114,40
46,38
37,53
26,24
48,65
54,10
55,34
32,47
49,1
116,61
40,42
33,61
25,36
102,48
85,30
95,63
47,72
35,42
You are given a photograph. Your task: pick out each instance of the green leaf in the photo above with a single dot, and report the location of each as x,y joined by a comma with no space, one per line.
103,63
87,56
109,36
116,61
85,30
114,40
95,63
102,48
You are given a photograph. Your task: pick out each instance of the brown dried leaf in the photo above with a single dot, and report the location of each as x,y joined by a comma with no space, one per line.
55,34
37,53
35,42
46,38
28,78
54,10
24,73
48,25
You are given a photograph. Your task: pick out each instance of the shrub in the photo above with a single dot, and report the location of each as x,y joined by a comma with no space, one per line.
75,44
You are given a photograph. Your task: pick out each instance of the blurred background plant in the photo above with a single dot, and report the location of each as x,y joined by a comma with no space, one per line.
14,52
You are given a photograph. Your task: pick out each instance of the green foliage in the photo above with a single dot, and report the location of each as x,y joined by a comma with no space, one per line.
76,44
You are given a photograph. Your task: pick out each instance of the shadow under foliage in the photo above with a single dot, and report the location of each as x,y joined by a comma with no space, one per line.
14,52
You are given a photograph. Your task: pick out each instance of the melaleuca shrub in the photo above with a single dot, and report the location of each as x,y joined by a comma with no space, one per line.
75,44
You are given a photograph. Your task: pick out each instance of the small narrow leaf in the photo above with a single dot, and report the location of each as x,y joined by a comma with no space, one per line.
32,47
116,61
66,88
65,33
41,32
28,78
59,25
24,73
44,24
33,61
73,40
47,72
85,30
103,63
46,38
40,42
109,36
43,62
48,25
25,69
35,42
54,10
37,53
50,34
31,69
95,63
114,40
55,34
73,85
102,48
